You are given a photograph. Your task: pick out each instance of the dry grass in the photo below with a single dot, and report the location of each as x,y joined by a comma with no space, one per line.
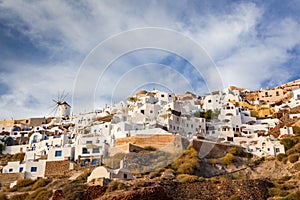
186,178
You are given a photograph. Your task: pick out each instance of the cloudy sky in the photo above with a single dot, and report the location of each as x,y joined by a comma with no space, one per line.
90,49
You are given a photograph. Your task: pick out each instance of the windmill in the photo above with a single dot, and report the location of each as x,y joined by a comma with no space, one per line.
61,108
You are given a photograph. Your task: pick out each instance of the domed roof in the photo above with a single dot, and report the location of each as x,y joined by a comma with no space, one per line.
141,92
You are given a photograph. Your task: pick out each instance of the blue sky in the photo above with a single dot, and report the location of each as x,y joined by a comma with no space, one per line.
44,44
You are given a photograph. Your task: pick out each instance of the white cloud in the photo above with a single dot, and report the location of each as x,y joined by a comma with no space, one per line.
247,49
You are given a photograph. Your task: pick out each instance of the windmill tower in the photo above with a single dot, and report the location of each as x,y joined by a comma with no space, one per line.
61,107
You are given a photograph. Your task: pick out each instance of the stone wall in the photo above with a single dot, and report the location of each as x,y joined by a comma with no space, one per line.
156,140
57,168
210,149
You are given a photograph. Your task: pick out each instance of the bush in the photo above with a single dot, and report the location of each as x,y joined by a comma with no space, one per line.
186,168
234,197
228,159
287,143
213,161
293,158
296,130
18,157
40,183
82,178
186,178
280,156
74,191
44,195
35,193
150,148
284,160
187,163
285,178
154,174
297,166
22,184
19,196
293,196
170,170
114,185
236,151
273,192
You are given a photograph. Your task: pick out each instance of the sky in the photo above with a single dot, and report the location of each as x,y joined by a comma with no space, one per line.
101,52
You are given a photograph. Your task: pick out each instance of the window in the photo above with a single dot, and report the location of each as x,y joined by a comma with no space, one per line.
58,153
96,150
33,169
85,151
89,142
277,150
94,162
34,139
162,95
125,176
209,101
268,149
142,111
277,93
151,111
10,170
21,169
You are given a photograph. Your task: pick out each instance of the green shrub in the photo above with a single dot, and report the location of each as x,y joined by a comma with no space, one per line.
293,196
186,168
169,170
280,156
297,166
140,183
82,178
18,157
35,193
19,196
234,197
114,185
293,158
273,192
40,183
285,178
44,195
291,151
296,130
22,184
228,159
74,191
284,160
186,178
154,174
287,143
187,163
236,151
214,180
213,161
